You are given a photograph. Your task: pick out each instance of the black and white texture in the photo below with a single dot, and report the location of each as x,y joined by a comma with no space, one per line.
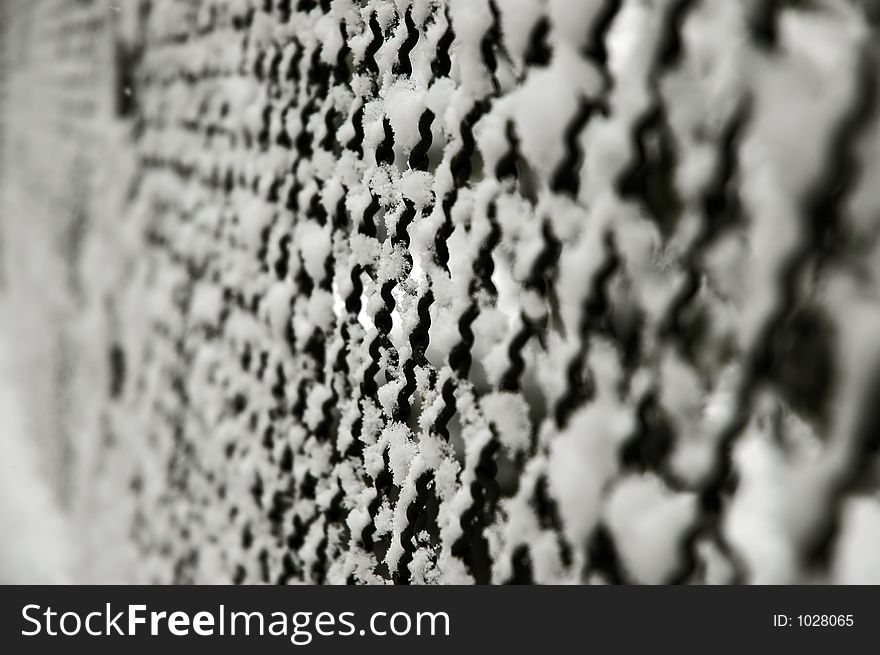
451,291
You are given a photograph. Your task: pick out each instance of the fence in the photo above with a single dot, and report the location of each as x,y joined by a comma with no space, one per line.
433,291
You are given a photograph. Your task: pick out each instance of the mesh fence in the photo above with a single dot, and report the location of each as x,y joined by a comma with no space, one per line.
493,291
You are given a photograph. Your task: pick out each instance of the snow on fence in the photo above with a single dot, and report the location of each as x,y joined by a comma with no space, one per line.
494,291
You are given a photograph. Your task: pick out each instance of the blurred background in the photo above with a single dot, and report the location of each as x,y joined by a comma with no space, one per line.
63,134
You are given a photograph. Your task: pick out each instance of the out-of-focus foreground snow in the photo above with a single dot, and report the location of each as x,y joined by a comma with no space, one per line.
37,543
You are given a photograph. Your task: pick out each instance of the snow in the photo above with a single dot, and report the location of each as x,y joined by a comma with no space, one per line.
758,515
313,243
470,21
277,306
856,559
328,35
518,18
546,103
41,545
173,279
416,186
404,105
583,459
648,522
508,413
573,19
